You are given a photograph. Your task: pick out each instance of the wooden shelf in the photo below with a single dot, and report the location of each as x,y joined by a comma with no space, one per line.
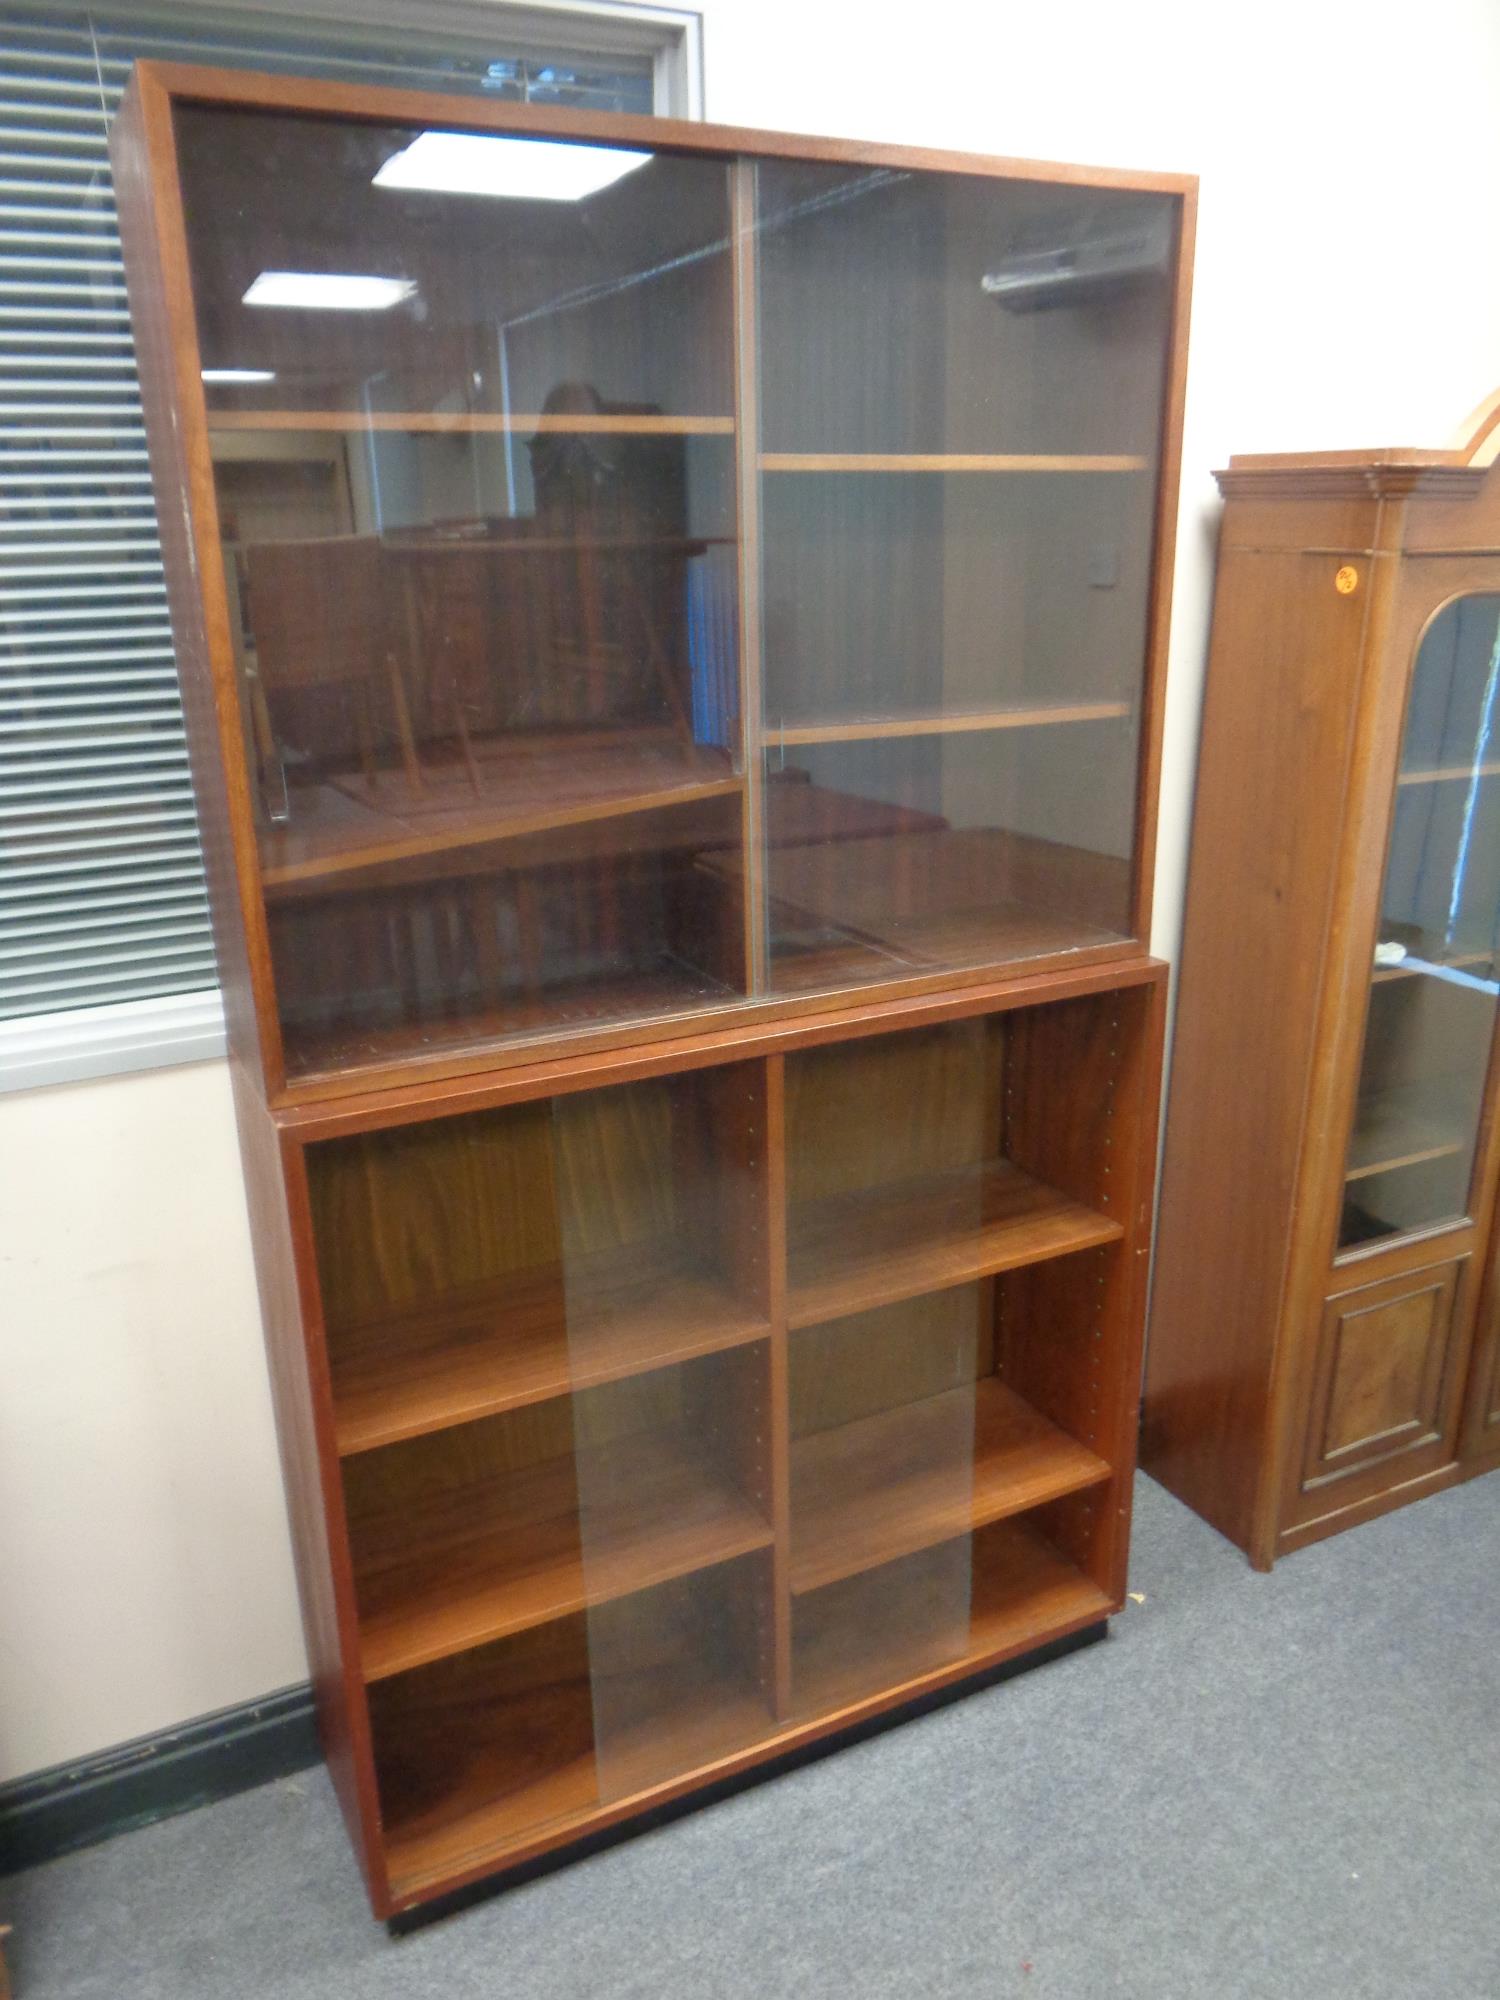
1460,961
525,542
1448,774
649,994
925,900
351,827
850,1252
493,1557
838,955
1017,715
867,1492
950,461
530,1336
1403,1127
468,420
502,1799
886,1626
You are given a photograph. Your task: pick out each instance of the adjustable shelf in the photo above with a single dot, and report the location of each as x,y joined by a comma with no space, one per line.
813,952
850,1252
868,1492
950,461
477,421
525,1339
669,989
887,1626
358,824
477,1563
1401,1127
1448,774
1459,961
1017,715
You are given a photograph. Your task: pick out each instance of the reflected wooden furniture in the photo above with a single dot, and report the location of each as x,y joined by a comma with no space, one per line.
318,614
695,1055
1324,1322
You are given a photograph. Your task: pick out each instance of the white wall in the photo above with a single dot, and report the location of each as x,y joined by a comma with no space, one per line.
145,1571
1347,294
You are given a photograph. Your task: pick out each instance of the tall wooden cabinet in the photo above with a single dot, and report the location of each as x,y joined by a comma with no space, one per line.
1325,1310
672,624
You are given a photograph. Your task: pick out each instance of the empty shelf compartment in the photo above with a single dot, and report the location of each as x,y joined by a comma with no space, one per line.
864,1493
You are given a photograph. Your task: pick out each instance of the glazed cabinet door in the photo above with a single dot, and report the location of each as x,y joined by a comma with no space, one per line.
959,428
1430,1024
470,408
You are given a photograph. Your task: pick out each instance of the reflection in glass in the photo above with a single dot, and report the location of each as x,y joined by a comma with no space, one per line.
1432,999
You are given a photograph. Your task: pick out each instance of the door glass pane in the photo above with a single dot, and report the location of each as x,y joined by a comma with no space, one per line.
961,386
933,1264
662,1199
1433,987
472,425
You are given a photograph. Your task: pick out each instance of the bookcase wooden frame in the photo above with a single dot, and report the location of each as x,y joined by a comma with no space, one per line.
1046,1229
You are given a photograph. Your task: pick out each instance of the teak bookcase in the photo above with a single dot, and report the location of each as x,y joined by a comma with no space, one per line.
1324,1318
674,689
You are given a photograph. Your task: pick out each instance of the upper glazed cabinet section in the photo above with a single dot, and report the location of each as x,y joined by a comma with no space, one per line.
661,579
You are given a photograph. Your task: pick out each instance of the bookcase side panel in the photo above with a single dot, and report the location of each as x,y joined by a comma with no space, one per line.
1278,739
280,1229
141,154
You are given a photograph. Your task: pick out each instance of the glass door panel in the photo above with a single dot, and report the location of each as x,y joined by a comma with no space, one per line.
472,421
960,405
933,1263
547,1337
1431,1012
673,1479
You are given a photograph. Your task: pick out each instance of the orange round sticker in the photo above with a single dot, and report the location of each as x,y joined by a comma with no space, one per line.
1346,580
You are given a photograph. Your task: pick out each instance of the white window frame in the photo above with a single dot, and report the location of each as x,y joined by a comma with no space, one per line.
76,1044
671,36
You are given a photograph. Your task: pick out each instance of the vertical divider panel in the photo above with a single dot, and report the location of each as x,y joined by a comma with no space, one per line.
781,1415
747,507
1080,1114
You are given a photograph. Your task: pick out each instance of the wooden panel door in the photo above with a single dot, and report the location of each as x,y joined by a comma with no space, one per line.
1385,1381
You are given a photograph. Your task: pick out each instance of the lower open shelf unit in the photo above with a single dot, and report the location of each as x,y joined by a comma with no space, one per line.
681,1421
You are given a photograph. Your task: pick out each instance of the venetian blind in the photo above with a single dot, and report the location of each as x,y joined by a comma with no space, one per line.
101,882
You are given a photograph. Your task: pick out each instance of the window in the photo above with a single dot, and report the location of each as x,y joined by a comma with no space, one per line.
102,904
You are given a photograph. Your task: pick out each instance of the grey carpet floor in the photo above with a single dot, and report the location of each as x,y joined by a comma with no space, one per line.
1260,1787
